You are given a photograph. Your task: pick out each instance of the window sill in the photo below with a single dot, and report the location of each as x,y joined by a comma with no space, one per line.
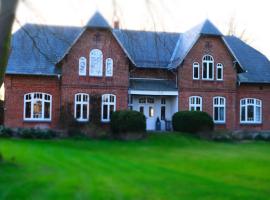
37,120
96,76
220,123
250,123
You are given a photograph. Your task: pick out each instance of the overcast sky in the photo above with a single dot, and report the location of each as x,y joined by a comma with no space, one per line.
163,15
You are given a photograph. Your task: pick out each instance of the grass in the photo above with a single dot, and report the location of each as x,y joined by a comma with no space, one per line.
165,166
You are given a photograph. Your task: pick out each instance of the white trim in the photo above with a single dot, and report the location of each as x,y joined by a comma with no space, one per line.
81,119
219,66
196,65
219,106
149,92
255,105
108,104
32,101
207,68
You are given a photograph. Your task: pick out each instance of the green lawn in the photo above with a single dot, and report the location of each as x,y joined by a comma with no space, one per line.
165,166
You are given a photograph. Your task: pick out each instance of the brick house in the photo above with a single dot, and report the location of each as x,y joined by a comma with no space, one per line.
157,73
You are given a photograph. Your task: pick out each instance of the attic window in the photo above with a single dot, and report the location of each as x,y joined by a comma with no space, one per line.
96,62
207,68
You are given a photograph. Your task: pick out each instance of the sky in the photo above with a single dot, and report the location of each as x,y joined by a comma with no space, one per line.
162,15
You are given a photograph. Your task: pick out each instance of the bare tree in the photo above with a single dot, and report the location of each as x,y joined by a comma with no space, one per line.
7,13
233,29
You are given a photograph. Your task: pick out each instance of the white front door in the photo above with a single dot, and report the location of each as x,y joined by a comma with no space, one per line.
147,107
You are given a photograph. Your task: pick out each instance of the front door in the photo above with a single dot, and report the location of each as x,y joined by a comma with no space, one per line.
147,107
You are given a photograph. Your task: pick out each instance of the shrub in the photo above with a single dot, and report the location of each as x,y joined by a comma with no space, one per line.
5,132
127,121
192,121
36,133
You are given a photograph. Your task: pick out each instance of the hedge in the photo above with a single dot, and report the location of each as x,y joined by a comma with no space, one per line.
127,121
192,121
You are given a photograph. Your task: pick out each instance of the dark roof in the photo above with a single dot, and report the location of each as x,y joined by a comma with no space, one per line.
152,85
97,21
254,63
36,49
147,49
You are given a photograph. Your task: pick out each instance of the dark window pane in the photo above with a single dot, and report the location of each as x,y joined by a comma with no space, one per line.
78,111
111,110
47,106
210,70
105,112
250,113
219,74
221,114
84,111
196,72
163,113
216,114
204,70
142,109
243,113
28,110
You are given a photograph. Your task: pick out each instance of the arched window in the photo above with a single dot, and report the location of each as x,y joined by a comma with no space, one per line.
196,70
219,109
82,66
96,63
195,103
37,106
219,72
108,105
109,67
81,107
208,67
250,110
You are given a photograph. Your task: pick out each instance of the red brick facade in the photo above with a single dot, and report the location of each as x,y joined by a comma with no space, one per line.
64,88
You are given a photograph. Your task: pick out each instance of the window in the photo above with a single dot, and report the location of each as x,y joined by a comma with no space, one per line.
219,72
150,100
196,70
163,112
96,63
109,67
130,102
195,103
142,109
37,106
163,101
219,104
81,107
142,100
151,111
107,107
82,66
208,68
250,110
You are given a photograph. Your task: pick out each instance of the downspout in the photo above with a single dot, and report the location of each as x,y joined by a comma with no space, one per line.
60,95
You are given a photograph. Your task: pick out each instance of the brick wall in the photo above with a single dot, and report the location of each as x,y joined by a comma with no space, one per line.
207,89
15,89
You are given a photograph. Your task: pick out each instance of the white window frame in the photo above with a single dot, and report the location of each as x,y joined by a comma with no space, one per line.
196,65
108,103
193,102
82,63
208,62
96,56
107,67
82,103
33,100
217,104
219,66
257,103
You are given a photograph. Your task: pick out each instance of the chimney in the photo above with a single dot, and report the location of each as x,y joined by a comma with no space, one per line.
116,24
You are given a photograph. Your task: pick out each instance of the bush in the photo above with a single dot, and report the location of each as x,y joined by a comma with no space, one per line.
192,121
127,121
36,133
5,132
